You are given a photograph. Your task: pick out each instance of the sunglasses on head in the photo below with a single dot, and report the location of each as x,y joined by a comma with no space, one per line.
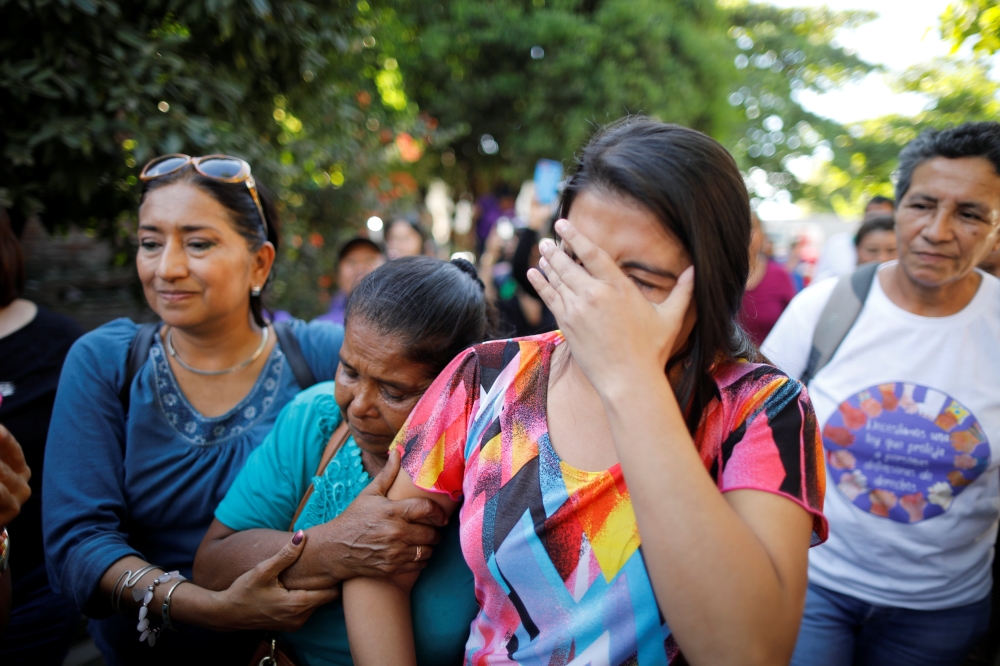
222,168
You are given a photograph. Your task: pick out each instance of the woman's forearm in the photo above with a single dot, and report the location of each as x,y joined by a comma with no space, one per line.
720,588
190,603
225,555
389,640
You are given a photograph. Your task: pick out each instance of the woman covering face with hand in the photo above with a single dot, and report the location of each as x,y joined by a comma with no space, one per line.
404,322
134,471
648,421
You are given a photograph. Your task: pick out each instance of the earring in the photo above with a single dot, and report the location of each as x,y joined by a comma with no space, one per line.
255,291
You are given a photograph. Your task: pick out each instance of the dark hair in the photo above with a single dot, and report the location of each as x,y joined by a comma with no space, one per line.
11,263
694,187
234,197
966,140
438,308
877,223
879,199
411,221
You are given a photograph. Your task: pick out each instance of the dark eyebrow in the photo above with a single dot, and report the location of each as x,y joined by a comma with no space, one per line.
649,269
925,197
398,387
187,228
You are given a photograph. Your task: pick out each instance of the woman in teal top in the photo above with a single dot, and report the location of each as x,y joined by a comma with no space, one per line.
390,355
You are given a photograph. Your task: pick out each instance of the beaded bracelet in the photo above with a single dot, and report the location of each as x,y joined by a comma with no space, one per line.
145,632
4,550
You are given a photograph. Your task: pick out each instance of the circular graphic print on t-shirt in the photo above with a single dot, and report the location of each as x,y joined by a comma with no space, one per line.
904,451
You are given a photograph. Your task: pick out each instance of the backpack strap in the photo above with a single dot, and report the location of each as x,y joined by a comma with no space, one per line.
293,352
839,315
138,352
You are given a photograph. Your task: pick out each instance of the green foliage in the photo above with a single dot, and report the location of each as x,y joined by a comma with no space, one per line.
472,66
783,52
91,89
977,21
866,153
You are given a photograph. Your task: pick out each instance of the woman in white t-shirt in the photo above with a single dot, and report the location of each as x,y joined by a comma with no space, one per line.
910,413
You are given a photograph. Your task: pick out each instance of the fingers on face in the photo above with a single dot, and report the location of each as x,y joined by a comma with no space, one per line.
595,260
546,291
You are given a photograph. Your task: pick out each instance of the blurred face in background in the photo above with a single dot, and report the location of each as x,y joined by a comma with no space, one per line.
402,240
358,262
877,246
876,208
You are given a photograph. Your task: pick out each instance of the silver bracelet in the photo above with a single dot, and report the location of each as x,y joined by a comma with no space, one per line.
165,609
146,633
130,580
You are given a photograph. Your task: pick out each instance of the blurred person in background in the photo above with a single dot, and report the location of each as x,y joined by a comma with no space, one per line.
390,356
879,206
33,345
357,258
522,311
151,425
909,406
876,240
405,238
839,255
489,209
769,288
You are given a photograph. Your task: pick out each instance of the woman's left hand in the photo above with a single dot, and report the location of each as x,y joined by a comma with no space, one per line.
258,600
614,332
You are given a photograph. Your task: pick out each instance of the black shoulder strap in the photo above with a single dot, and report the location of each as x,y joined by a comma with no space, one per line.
839,315
293,352
138,352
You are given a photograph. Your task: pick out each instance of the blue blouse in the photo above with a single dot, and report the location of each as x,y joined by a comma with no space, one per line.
148,484
269,489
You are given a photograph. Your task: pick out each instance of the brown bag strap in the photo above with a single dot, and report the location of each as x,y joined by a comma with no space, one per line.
336,441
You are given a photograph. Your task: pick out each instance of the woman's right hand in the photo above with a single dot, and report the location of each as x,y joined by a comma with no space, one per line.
14,476
376,536
258,600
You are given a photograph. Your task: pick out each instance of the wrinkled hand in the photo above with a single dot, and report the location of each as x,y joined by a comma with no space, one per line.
614,332
14,475
258,600
376,536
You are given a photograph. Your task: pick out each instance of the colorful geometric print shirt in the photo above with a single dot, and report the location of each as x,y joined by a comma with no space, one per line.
560,577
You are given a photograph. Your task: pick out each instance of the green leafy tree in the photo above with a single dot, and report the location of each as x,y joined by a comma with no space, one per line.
524,80
976,21
783,52
91,89
866,153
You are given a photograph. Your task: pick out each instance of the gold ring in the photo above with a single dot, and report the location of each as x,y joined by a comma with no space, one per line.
419,551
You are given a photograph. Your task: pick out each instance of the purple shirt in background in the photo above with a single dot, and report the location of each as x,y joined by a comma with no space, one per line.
762,306
335,314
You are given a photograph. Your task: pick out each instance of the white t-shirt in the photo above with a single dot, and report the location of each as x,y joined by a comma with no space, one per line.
909,408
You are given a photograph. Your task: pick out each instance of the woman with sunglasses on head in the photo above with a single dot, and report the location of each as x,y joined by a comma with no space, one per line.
649,420
135,466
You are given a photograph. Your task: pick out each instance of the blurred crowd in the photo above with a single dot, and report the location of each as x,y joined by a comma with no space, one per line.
805,448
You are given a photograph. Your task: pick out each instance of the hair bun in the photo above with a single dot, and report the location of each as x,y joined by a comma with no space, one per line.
466,267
